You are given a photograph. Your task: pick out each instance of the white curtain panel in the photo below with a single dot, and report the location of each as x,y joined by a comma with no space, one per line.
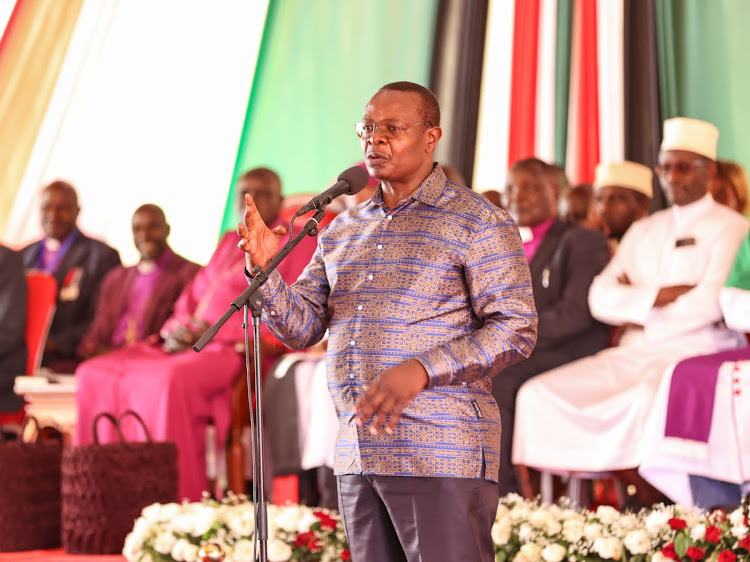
149,107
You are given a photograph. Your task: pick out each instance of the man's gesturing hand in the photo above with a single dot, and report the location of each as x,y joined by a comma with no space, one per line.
389,393
259,242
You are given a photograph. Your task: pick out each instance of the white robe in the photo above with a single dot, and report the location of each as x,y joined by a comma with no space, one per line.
667,463
589,415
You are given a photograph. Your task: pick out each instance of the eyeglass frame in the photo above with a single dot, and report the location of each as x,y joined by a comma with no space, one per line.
390,136
677,167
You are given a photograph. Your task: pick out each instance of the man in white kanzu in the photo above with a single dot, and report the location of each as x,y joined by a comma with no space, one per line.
662,288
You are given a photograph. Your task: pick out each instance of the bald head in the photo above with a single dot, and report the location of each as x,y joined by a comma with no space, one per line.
265,187
150,231
59,209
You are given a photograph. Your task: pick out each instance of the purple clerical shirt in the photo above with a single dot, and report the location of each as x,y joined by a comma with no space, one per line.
538,231
131,326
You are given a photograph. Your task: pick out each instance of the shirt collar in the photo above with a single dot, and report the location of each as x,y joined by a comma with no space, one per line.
428,192
691,210
539,230
53,244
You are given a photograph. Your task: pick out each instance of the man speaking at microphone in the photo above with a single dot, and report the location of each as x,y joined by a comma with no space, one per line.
426,295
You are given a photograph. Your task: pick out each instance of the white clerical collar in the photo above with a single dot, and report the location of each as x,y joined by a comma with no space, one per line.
52,244
687,213
146,266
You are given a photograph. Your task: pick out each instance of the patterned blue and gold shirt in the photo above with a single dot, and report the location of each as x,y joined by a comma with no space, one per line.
441,278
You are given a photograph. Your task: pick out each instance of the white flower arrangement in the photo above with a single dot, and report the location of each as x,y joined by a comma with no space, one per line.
524,531
177,532
527,531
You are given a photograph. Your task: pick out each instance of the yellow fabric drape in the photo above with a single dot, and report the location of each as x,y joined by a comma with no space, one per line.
31,54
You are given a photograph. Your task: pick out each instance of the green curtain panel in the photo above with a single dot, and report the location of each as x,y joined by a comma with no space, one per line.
703,50
320,62
562,77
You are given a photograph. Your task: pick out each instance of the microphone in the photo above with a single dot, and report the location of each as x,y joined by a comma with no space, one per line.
351,181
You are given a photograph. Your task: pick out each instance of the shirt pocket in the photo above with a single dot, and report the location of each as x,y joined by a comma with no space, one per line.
687,264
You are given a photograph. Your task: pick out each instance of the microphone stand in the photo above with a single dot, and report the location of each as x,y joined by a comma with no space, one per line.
249,299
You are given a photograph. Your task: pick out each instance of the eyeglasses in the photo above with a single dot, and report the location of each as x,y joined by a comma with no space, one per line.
679,167
390,130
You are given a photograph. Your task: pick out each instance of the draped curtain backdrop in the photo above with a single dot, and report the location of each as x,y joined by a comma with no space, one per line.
174,117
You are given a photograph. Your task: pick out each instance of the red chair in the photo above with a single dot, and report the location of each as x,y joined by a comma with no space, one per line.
41,300
40,309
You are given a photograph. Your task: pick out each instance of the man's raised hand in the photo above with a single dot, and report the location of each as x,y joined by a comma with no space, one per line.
259,242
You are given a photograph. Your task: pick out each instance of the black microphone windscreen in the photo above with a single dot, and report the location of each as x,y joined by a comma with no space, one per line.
357,177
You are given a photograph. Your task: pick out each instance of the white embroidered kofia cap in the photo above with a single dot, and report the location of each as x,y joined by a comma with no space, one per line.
682,133
625,174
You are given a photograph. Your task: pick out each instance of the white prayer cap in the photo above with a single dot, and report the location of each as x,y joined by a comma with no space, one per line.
625,174
692,135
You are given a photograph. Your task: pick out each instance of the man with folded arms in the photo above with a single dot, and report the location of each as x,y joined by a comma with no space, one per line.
662,287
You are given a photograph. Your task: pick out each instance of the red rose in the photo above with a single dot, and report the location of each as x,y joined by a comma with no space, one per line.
727,556
326,521
304,538
346,555
668,552
713,534
677,524
313,544
695,553
745,543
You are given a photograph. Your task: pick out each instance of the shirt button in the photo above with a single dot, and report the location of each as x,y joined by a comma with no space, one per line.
390,218
370,277
380,246
352,342
360,307
273,313
351,375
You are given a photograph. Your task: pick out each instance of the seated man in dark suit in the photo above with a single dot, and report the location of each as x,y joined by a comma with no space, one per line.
135,301
78,263
563,259
12,325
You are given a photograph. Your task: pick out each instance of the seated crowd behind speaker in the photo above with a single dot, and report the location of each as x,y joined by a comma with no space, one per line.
176,391
563,260
661,287
134,302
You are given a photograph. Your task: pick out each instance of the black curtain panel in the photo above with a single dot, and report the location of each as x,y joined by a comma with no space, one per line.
456,78
643,119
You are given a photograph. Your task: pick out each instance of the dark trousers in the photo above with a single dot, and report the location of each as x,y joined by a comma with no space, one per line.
711,494
415,519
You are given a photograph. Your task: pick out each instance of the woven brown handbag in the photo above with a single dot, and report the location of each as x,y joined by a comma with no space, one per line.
29,493
105,487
